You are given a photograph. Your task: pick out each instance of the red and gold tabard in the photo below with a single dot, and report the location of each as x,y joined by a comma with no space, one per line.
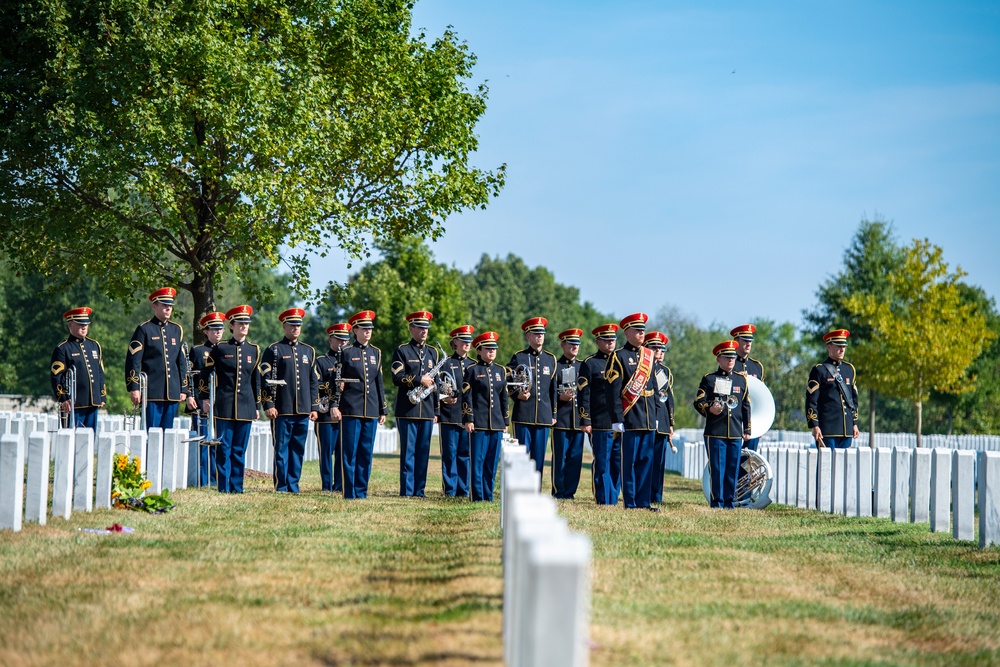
633,390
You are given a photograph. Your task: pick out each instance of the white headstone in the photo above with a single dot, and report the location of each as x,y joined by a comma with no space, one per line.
530,514
920,485
121,442
940,490
11,482
181,477
802,489
105,465
824,478
171,441
137,442
63,452
36,499
154,460
83,470
557,612
839,471
963,494
792,477
901,484
883,483
864,502
780,469
989,498
851,481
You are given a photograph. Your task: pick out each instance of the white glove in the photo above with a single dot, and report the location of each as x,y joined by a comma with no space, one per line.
618,427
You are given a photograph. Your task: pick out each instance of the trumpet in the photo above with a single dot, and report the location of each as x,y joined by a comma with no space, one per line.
520,378
136,420
421,392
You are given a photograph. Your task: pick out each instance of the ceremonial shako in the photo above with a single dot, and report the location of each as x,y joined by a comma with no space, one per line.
635,321
239,314
463,333
744,331
571,336
606,331
534,325
363,320
78,315
292,316
340,331
213,320
421,318
164,295
725,349
656,340
837,337
486,340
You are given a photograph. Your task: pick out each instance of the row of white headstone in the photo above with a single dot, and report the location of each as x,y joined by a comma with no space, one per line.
988,443
936,486
82,469
546,572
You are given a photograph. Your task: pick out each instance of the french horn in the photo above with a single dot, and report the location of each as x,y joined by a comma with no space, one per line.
520,378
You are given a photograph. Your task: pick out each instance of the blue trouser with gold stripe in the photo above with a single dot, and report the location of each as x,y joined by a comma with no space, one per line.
328,434
230,453
454,460
659,467
723,464
567,458
534,438
357,438
606,468
485,453
414,452
637,467
290,434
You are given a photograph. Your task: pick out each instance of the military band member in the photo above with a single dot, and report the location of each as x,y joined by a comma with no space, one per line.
631,395
595,417
567,438
832,395
723,401
328,425
534,411
84,355
290,394
454,439
656,341
157,349
743,335
362,404
236,365
484,413
213,325
411,366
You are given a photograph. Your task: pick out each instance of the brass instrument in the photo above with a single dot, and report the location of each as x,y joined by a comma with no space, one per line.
136,420
332,397
729,401
446,386
567,381
71,388
520,378
753,485
419,393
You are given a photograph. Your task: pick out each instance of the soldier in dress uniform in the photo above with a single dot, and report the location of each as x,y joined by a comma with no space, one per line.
236,367
411,366
534,412
213,325
157,349
723,401
631,395
595,417
484,413
454,439
362,404
832,395
743,335
84,355
656,341
328,367
567,438
291,398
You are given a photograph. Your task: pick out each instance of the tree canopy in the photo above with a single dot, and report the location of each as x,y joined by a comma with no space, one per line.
149,143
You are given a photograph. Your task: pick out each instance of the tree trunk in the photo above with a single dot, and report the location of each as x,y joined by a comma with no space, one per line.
203,292
920,422
871,418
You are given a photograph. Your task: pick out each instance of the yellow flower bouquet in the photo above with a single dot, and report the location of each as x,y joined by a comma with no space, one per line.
129,484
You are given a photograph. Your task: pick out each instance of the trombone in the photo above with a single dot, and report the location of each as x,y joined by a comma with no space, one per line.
136,420
71,388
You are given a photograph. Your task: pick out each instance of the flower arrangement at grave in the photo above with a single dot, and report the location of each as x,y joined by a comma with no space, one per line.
129,484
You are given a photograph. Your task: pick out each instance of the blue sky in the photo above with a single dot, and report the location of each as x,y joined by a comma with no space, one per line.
719,156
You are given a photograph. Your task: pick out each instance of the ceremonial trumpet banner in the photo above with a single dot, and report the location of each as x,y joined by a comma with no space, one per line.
753,485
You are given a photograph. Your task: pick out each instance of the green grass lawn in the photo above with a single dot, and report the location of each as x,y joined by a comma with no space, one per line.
269,579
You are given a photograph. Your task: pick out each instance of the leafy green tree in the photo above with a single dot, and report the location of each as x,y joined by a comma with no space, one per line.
872,254
149,143
926,337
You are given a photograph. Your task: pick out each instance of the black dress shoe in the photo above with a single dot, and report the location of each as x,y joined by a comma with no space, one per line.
654,509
